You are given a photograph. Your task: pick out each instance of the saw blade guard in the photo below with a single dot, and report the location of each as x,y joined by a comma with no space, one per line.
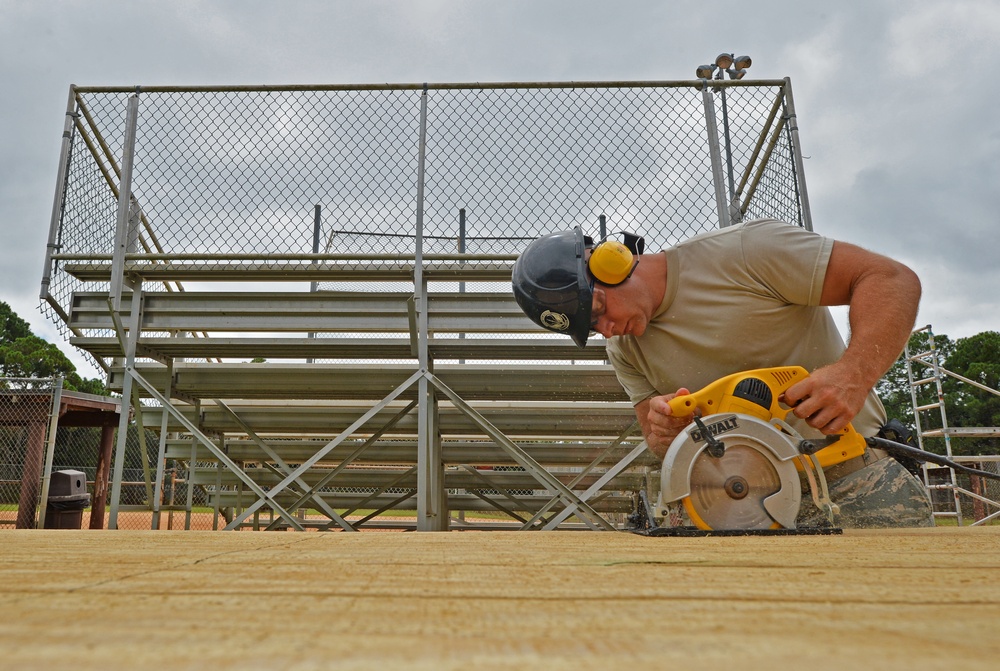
750,433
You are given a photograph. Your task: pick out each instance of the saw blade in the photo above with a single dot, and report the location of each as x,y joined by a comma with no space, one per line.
728,492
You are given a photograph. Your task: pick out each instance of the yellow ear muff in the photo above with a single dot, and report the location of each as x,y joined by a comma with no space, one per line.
610,262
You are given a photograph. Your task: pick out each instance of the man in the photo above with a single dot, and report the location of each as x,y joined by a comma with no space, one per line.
754,295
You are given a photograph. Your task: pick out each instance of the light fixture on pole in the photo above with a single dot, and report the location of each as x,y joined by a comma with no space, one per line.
736,67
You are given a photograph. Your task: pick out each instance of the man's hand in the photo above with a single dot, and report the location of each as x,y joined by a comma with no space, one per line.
659,425
883,296
829,398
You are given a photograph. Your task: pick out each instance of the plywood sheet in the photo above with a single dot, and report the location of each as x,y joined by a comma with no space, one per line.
81,600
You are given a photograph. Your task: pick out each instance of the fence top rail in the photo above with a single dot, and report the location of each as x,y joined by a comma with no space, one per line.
687,83
297,270
204,256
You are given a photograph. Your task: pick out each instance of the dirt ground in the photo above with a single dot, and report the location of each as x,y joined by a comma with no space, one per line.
141,521
80,600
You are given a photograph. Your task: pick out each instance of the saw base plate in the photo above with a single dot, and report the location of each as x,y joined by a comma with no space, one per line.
695,531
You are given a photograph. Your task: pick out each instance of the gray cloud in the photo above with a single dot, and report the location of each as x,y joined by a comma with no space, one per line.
895,106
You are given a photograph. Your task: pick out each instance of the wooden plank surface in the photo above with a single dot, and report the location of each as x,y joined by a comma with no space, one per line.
927,599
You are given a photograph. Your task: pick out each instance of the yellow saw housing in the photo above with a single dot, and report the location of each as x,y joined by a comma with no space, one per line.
757,393
761,457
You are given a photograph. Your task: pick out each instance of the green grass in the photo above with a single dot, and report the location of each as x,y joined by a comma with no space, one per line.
966,521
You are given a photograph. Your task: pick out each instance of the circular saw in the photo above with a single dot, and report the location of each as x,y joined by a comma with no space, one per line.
738,465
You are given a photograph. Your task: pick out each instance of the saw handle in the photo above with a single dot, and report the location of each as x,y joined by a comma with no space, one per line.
756,392
760,393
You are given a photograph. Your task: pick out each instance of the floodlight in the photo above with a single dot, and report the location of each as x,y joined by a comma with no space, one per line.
742,62
724,60
704,71
736,74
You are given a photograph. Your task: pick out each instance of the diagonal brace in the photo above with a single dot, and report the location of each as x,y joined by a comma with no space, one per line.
594,488
271,454
348,460
587,514
358,423
216,451
591,466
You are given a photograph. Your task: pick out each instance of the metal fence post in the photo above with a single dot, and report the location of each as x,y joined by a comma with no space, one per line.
430,513
461,250
735,214
124,236
50,449
161,460
800,172
314,286
718,178
123,421
57,204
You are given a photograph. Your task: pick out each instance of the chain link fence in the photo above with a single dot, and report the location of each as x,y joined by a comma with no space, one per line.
974,496
26,413
974,507
44,430
240,171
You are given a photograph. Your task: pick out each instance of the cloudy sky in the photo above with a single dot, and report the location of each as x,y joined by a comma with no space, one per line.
896,99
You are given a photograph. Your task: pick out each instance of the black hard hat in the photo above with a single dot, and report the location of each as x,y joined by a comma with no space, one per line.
551,284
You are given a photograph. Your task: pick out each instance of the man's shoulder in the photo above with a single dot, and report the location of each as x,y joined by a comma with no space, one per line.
754,226
772,233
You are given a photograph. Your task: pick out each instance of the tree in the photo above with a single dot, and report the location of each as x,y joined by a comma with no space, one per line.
30,356
13,326
23,354
976,358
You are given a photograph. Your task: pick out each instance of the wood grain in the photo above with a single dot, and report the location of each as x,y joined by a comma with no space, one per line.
914,599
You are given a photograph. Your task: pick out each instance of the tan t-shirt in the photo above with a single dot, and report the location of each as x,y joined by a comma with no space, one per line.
739,298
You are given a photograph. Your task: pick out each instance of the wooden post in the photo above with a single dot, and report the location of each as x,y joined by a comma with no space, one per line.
978,486
31,476
101,477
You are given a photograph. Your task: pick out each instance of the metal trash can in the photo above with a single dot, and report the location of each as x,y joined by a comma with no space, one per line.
67,498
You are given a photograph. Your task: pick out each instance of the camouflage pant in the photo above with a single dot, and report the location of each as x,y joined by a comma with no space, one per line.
882,494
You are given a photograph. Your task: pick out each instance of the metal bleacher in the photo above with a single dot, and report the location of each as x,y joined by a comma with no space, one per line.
511,425
377,377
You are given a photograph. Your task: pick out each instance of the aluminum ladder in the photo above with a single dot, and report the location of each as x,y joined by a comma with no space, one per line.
918,378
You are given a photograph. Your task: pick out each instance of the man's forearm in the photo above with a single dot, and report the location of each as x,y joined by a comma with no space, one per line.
881,315
882,296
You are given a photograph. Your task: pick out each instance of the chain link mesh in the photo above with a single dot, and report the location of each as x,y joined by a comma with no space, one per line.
241,171
26,407
973,507
25,415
